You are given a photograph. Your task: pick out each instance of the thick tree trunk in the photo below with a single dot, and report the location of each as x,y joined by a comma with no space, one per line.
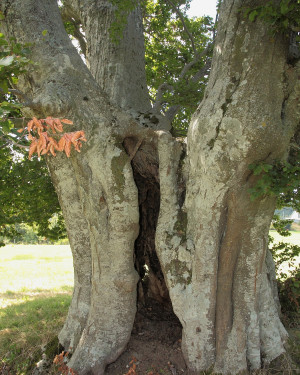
63,177
118,68
217,275
136,197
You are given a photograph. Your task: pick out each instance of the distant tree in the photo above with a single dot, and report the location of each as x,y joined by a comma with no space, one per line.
27,195
26,191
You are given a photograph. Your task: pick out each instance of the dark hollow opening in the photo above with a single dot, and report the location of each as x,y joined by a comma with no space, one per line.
153,300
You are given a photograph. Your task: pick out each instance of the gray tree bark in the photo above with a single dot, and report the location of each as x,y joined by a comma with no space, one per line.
249,114
211,243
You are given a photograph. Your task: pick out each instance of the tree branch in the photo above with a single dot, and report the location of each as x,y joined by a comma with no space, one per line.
202,72
173,110
19,122
14,143
159,96
28,102
180,15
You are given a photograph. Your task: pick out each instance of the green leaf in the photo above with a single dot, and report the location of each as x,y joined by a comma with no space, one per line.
266,167
257,170
6,125
14,80
285,23
45,32
4,86
253,15
6,61
284,8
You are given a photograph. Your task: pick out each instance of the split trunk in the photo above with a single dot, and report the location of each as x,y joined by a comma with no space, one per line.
146,212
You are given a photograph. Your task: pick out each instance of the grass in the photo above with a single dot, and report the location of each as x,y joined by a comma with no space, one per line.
294,238
27,271
36,283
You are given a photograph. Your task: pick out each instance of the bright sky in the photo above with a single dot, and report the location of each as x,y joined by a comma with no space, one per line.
203,8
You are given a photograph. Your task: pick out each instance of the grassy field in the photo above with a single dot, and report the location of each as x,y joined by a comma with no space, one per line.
28,270
35,292
294,238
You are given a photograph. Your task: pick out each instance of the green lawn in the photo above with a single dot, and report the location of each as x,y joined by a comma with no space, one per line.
30,270
294,238
36,283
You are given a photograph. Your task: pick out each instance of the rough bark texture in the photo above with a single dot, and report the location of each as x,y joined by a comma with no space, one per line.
63,177
119,69
124,198
248,115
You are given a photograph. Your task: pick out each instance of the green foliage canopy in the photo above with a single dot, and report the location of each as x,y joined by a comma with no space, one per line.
178,55
26,192
27,195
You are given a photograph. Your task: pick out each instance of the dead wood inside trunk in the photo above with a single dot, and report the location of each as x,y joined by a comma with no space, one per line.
153,293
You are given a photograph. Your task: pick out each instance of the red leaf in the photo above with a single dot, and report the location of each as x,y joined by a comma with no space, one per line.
33,148
52,150
61,144
66,121
29,125
58,125
68,145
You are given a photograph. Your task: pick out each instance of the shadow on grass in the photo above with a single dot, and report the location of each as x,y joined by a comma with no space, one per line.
27,326
26,294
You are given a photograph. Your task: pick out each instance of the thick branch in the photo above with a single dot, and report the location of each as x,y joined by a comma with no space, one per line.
159,96
173,110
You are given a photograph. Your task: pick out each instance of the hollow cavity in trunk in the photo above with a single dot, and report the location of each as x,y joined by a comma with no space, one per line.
153,301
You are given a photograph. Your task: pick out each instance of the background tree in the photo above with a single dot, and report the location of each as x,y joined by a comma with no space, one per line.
133,181
26,192
178,60
27,195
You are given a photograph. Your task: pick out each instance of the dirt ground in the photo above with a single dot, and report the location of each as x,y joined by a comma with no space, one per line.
154,347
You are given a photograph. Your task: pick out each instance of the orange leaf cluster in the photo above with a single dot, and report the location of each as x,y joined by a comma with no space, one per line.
59,360
132,367
43,143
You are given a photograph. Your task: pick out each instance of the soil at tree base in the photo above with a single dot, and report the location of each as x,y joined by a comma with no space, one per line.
155,344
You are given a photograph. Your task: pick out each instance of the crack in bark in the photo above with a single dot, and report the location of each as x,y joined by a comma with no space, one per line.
152,283
227,259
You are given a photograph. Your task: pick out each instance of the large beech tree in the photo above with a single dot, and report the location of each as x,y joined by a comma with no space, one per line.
137,196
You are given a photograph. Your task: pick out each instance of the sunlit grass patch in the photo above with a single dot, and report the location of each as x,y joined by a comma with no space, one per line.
294,238
36,284
24,295
29,269
21,257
